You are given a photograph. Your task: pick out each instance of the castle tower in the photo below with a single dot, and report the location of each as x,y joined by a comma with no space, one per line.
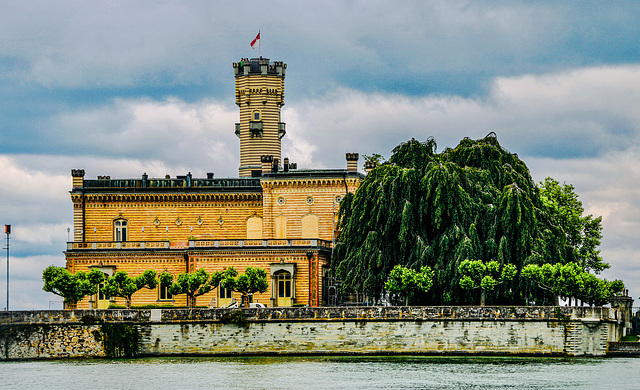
260,95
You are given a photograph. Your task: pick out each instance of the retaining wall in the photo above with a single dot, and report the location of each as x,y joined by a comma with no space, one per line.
572,331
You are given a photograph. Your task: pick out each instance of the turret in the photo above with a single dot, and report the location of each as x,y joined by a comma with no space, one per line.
260,96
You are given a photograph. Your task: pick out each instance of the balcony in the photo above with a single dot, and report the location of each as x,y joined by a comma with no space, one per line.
255,127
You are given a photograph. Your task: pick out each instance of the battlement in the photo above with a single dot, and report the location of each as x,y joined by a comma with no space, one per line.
260,66
186,181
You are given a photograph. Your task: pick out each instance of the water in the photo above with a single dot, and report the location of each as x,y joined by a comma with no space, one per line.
325,373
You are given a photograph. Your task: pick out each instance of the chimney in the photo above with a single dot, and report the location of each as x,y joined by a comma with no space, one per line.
209,175
78,178
286,164
276,165
267,162
352,162
369,165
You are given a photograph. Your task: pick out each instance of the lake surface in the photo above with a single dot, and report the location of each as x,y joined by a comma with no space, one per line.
397,372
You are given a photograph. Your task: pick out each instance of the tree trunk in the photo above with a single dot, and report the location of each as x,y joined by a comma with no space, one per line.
482,296
128,300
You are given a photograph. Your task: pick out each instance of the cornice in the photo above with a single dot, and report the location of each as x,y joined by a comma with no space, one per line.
167,198
309,182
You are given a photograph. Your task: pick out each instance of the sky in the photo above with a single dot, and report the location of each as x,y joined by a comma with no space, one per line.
120,88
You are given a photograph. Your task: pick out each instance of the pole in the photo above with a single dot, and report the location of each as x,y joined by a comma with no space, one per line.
7,230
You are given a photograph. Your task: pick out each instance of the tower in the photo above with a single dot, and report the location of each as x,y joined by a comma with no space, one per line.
260,95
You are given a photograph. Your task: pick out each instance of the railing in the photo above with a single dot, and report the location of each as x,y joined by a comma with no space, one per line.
173,183
196,244
110,245
260,243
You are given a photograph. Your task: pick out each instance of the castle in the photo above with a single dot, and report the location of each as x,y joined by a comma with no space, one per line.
274,216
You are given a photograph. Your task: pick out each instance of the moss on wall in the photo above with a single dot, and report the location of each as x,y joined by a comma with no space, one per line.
120,340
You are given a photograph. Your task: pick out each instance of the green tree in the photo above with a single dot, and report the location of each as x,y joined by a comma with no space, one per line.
375,158
408,282
122,285
583,232
484,276
571,281
422,208
192,284
72,287
251,281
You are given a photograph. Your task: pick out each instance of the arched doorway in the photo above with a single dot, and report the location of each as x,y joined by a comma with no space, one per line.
283,284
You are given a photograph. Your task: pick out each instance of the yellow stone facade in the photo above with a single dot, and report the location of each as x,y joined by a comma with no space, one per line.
274,216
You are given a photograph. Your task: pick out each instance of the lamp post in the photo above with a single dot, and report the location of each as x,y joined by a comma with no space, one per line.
7,230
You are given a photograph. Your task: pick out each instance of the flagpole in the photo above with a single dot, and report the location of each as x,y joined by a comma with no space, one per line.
259,55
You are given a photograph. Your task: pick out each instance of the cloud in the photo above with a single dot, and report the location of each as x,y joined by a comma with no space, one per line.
25,283
418,46
177,133
608,186
580,113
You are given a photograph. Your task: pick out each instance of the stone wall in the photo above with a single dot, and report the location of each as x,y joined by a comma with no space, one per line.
624,348
50,341
571,331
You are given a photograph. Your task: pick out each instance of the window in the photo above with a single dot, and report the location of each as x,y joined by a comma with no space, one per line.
224,293
163,292
120,230
284,284
256,115
101,295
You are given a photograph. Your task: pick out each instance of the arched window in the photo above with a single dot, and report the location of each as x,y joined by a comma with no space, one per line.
254,228
281,226
255,116
120,230
310,226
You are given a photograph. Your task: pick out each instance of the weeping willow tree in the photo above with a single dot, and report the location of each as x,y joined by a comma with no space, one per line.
422,208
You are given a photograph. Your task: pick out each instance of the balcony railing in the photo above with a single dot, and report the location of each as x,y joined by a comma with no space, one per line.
111,245
226,183
196,244
255,125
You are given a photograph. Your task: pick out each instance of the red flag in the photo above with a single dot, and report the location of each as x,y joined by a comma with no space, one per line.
255,41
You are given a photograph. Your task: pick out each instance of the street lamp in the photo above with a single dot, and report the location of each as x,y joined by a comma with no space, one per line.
7,230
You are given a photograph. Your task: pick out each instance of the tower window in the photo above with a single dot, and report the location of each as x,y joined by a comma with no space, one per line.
256,115
120,230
